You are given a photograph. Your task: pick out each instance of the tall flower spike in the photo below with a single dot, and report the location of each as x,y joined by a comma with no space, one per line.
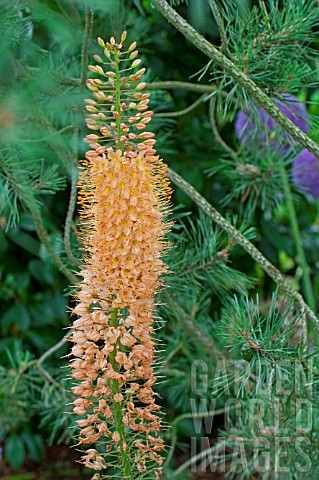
124,197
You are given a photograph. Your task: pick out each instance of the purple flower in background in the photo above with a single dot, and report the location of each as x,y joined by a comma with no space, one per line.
248,132
305,173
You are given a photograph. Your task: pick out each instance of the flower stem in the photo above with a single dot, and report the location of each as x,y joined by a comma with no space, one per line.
115,387
306,281
118,100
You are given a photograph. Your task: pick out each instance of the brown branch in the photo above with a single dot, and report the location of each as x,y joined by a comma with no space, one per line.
172,85
188,322
179,113
222,254
231,69
220,24
89,17
239,238
44,239
212,105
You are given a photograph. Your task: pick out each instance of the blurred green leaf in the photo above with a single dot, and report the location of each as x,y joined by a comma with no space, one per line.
26,222
41,271
34,445
18,316
44,339
15,451
24,240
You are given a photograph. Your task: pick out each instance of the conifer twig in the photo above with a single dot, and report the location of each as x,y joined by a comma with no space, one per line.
173,84
266,265
48,137
37,363
55,347
179,113
73,82
89,17
216,258
69,217
220,24
44,238
212,413
244,80
188,321
212,104
192,415
45,374
201,455
59,149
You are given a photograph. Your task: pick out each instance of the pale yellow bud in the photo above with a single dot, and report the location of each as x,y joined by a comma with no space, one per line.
107,53
132,46
90,108
101,42
140,86
89,101
97,58
100,95
123,37
146,135
133,55
136,63
110,74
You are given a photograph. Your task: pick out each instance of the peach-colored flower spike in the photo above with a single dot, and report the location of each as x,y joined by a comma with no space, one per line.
124,197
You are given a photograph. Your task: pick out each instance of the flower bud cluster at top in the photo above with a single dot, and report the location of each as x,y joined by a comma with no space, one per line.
120,109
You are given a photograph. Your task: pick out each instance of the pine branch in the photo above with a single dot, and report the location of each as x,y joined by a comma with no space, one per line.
192,415
270,269
89,17
224,253
172,84
60,150
69,217
45,374
201,455
37,363
213,53
184,416
71,81
220,24
212,104
44,238
54,348
188,322
48,137
179,113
